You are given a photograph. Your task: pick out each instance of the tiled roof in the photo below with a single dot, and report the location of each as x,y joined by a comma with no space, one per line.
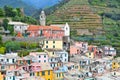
37,27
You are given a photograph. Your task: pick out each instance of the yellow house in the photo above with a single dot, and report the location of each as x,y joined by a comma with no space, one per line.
45,71
53,44
1,76
115,64
90,54
58,75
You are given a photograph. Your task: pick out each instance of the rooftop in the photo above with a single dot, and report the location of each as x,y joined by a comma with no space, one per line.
37,27
17,23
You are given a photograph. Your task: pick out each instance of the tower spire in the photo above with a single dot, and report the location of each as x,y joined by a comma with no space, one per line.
42,18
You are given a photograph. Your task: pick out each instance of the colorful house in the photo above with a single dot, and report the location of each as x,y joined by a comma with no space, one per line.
116,64
58,75
74,50
63,55
109,50
22,73
50,32
72,66
50,52
93,49
40,57
53,44
54,61
43,70
89,54
1,76
9,75
27,60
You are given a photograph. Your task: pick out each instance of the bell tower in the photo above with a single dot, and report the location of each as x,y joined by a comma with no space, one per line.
42,18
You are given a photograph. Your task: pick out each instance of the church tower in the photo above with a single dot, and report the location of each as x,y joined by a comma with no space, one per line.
42,18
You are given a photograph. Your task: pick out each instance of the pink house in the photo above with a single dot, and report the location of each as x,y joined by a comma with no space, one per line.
46,31
74,50
40,57
35,67
23,71
82,45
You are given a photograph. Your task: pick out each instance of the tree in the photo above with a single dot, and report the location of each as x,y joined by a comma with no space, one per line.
11,29
9,11
5,23
12,46
2,13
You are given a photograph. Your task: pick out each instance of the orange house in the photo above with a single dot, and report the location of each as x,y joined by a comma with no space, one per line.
45,31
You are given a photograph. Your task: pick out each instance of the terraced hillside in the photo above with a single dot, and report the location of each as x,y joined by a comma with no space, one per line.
78,14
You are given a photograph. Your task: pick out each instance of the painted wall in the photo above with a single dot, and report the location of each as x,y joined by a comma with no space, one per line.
53,44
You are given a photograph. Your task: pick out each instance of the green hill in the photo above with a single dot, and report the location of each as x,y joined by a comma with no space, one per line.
29,10
101,17
77,13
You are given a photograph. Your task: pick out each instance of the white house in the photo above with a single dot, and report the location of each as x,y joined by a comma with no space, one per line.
19,26
63,55
8,58
9,75
109,50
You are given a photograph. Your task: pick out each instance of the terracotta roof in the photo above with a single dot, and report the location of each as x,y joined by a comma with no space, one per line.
37,27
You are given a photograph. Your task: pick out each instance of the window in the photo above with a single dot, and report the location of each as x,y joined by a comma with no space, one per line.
53,41
48,72
44,56
39,61
13,60
46,46
114,63
59,74
7,60
37,73
65,60
53,53
54,46
65,55
30,74
39,56
89,53
43,73
46,42
51,59
44,60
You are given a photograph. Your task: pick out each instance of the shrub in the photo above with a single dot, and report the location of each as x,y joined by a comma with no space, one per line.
23,53
2,50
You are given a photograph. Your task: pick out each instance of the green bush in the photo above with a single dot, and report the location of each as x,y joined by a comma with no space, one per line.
2,50
27,45
23,53
33,45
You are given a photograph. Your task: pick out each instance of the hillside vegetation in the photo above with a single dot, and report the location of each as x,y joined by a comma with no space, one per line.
77,13
101,17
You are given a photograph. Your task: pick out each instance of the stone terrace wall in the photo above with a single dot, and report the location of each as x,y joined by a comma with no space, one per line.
24,39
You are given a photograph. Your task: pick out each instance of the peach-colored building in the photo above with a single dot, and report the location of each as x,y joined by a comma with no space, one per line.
74,50
46,31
